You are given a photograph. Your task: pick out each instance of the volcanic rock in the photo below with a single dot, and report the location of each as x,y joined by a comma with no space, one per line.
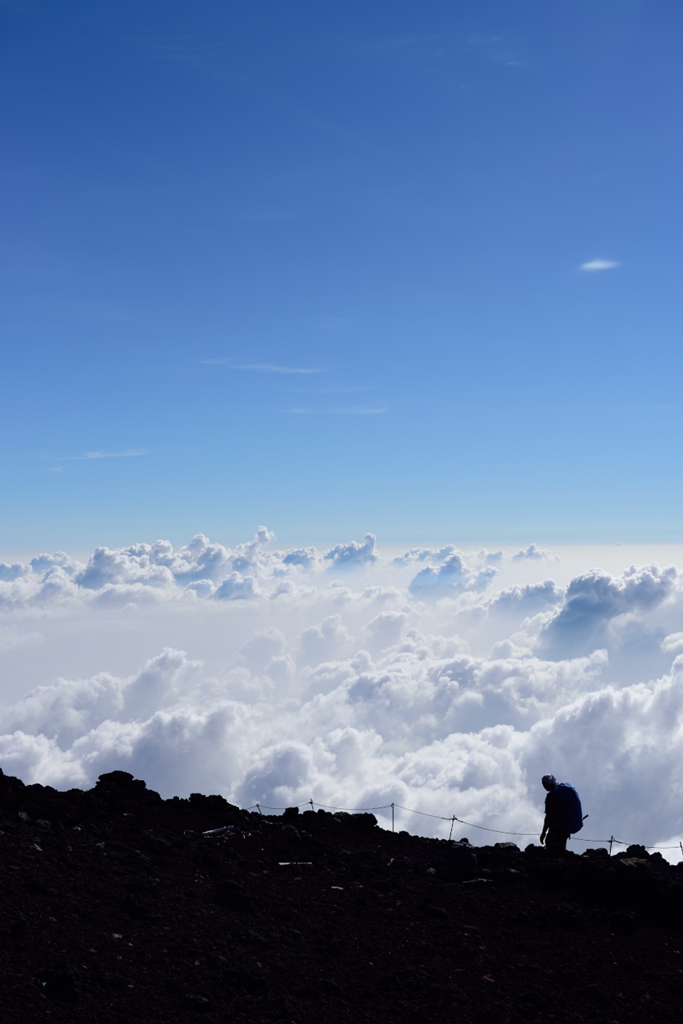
117,909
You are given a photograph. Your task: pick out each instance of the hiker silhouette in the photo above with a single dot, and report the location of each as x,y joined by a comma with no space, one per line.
563,814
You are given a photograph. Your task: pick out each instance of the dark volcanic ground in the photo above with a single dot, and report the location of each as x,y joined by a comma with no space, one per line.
113,911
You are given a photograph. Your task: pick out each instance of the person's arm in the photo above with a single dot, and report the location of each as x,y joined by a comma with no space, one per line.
546,820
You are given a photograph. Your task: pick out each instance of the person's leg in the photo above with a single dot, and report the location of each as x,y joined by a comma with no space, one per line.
556,841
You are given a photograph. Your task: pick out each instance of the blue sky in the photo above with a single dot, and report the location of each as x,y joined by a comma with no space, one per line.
201,201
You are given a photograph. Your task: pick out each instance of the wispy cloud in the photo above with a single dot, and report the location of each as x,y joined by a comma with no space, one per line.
341,390
352,411
89,456
130,454
495,49
262,367
274,368
415,43
600,265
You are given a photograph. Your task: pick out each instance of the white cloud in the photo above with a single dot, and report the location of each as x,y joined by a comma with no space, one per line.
11,638
261,648
532,553
41,563
451,577
352,690
318,643
491,557
300,556
9,573
593,265
624,747
236,588
353,553
386,628
595,598
529,599
426,554
672,643
68,709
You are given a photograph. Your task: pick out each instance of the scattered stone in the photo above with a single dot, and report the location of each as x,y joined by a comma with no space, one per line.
638,851
434,911
461,862
394,942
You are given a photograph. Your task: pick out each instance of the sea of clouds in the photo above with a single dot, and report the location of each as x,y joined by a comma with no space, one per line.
442,680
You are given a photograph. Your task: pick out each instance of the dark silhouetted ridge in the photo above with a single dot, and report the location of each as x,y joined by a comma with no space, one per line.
117,909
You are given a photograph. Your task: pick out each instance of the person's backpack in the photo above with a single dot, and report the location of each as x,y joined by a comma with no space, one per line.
567,808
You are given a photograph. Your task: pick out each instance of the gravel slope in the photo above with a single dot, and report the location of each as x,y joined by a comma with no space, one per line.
116,909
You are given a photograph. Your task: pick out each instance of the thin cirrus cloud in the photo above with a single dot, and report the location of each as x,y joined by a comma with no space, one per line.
594,265
328,391
130,454
352,411
90,456
263,367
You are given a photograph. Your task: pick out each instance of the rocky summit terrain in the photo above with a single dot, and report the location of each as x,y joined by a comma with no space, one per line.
116,908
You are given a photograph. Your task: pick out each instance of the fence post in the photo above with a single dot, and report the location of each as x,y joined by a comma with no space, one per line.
311,803
259,808
450,834
392,820
681,845
611,840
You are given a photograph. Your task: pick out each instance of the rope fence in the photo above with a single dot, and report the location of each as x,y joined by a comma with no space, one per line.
453,818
